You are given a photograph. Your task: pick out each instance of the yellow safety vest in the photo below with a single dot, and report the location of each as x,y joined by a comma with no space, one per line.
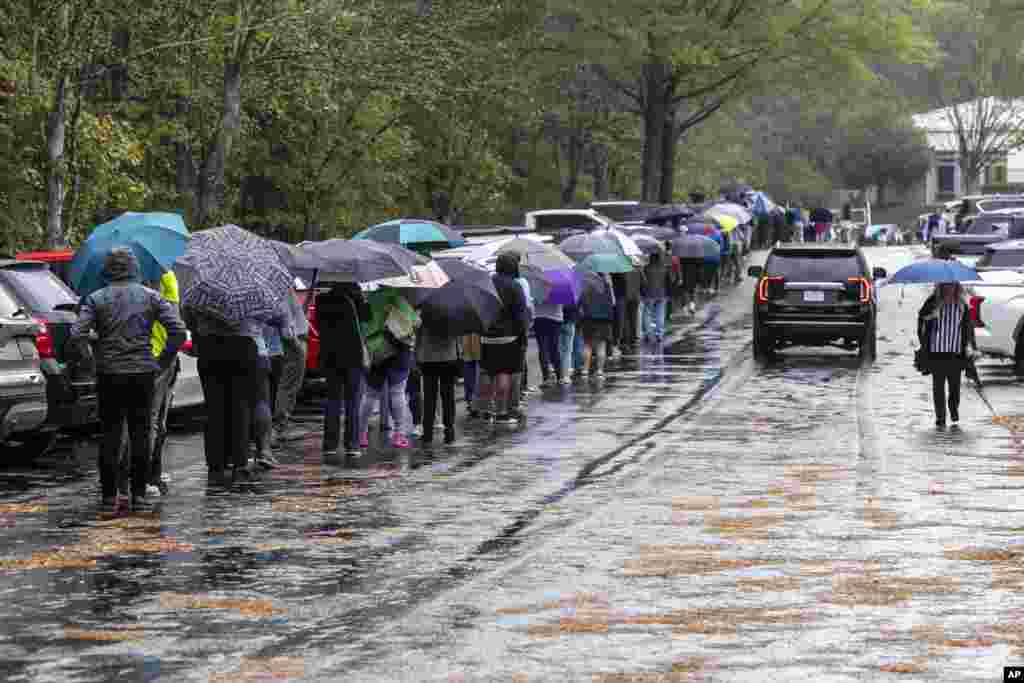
169,291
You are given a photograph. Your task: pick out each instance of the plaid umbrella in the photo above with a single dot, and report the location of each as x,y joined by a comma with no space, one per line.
232,275
410,232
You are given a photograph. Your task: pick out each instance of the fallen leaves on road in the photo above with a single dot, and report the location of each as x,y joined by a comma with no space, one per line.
23,508
1015,423
834,567
303,504
115,635
57,559
751,526
687,560
883,590
984,554
263,670
874,516
249,607
918,666
775,584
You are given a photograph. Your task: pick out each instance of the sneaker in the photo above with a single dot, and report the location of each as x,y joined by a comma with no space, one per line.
449,435
473,414
598,376
505,420
153,491
353,453
364,440
565,381
438,427
547,382
692,308
400,441
141,503
417,430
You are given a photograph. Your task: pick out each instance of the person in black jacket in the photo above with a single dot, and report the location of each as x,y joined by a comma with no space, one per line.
945,330
502,353
341,313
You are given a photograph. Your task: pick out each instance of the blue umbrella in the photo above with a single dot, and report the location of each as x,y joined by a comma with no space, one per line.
934,271
157,239
410,232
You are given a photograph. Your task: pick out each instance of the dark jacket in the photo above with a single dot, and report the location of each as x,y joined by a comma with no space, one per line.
341,313
821,215
598,303
657,280
927,318
515,317
122,314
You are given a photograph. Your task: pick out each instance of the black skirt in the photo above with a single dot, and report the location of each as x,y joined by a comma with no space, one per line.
499,358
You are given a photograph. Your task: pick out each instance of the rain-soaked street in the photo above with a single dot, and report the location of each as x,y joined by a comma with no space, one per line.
699,516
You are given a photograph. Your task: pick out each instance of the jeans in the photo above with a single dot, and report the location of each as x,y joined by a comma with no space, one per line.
389,378
577,352
566,347
262,405
230,372
654,318
125,398
344,387
470,376
439,378
293,372
946,369
548,332
163,391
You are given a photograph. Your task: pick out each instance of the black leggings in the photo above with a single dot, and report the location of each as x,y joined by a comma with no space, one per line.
439,378
946,369
125,399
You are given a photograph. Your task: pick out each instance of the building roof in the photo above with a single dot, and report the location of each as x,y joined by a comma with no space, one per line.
940,132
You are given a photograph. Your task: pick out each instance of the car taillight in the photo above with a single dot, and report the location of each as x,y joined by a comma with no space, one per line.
44,341
864,285
975,309
186,347
764,288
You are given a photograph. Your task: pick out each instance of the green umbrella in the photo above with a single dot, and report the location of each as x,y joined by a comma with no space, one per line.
605,263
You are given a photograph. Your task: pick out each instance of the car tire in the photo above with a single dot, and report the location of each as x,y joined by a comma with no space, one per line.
869,344
763,344
1018,356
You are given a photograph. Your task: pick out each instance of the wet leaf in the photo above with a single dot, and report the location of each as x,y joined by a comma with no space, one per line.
57,559
984,554
129,633
811,474
263,670
15,508
918,666
249,607
874,516
884,590
777,584
695,503
303,504
832,567
669,560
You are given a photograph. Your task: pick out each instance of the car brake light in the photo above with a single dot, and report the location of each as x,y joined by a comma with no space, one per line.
44,341
186,347
975,309
865,288
763,288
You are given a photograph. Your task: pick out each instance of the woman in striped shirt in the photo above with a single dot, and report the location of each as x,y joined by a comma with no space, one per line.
945,330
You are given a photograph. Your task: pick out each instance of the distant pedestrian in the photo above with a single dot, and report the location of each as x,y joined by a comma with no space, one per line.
597,313
293,368
122,315
621,287
440,362
566,342
342,313
471,371
502,344
655,295
946,332
524,385
547,326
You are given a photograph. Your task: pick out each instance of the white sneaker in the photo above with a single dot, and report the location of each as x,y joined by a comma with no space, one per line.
693,308
152,491
417,430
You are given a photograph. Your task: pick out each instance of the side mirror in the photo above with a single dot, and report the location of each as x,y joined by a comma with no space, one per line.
755,271
879,273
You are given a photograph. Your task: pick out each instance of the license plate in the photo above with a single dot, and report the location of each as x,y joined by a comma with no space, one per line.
816,297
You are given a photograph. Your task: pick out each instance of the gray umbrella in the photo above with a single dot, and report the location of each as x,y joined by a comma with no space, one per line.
232,275
695,247
341,260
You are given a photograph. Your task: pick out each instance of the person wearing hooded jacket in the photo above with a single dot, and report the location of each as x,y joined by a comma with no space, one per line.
342,313
945,331
122,315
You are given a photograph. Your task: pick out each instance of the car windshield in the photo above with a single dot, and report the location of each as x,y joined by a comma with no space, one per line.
8,305
39,288
559,221
1002,258
814,267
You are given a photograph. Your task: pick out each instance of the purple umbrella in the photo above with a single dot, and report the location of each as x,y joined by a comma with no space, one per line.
565,287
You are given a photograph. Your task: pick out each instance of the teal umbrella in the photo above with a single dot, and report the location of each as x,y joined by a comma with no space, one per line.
157,240
605,263
412,232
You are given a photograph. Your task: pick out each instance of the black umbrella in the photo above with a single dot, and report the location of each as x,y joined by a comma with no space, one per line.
670,213
341,260
468,304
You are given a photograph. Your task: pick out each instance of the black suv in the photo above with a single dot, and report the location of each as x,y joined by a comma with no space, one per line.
70,386
815,295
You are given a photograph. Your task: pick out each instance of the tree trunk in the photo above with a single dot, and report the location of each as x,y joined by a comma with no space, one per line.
600,171
656,88
572,179
55,155
668,160
211,182
880,198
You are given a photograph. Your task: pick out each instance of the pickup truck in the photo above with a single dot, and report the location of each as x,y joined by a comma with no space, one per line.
980,232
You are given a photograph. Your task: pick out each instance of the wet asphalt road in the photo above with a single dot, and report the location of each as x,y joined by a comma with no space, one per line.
698,516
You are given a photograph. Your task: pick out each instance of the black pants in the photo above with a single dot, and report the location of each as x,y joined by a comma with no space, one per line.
414,391
620,320
125,399
946,369
232,378
439,378
276,371
632,322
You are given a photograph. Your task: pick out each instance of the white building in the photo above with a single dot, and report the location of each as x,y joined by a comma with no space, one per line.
944,181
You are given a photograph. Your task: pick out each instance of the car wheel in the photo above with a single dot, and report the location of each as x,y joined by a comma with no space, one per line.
763,344
32,445
1018,356
869,344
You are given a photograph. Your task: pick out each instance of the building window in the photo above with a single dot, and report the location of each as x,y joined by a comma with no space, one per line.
947,179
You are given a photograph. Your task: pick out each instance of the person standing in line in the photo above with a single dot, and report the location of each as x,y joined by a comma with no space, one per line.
596,317
621,286
122,315
271,357
566,343
655,293
946,332
342,312
547,325
414,397
295,341
440,361
502,355
471,371
389,377
525,388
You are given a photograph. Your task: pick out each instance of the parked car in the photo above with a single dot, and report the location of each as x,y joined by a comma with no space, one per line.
817,294
981,231
51,305
561,221
23,408
629,212
58,261
996,303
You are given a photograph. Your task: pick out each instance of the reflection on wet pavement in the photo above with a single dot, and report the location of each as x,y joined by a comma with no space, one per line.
696,517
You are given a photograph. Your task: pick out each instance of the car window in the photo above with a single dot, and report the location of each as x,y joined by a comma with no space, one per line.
618,212
8,304
985,225
558,221
809,267
1002,258
39,288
